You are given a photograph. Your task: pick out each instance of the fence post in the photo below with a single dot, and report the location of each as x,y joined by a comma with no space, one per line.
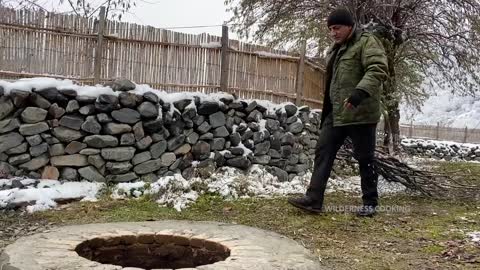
410,129
300,74
97,65
437,131
225,62
465,135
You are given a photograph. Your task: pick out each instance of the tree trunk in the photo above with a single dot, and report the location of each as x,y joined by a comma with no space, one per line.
391,104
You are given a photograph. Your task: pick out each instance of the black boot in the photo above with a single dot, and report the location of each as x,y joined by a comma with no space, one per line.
367,211
306,203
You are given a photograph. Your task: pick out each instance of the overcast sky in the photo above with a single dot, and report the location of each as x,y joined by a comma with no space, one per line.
179,13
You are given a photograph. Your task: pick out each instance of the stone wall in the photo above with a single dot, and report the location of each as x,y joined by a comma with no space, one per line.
60,133
441,149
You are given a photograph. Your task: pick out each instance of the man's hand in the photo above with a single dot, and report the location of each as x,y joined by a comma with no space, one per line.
355,99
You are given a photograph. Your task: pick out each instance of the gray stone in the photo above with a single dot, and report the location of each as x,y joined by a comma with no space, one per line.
141,157
118,153
247,135
32,115
35,163
235,139
290,109
10,140
75,147
127,139
182,104
264,160
126,115
175,164
251,106
148,166
114,128
104,118
91,125
291,120
296,127
262,148
72,106
72,122
122,85
217,144
153,126
176,142
168,159
274,153
148,110
49,138
272,125
34,140
20,149
92,174
217,119
128,100
128,177
144,143
281,175
7,169
239,162
238,151
96,160
20,159
207,108
192,138
206,137
259,137
201,150
182,150
56,111
89,151
20,98
293,159
138,131
101,141
66,134
3,157
39,101
286,151
198,120
288,139
75,160
86,99
118,167
8,125
87,109
303,158
152,97
255,116
6,107
221,132
37,150
158,149
204,127
69,174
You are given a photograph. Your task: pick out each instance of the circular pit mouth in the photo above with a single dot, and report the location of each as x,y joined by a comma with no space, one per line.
153,251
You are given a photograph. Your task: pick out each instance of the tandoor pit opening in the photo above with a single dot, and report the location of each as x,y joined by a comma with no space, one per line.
153,251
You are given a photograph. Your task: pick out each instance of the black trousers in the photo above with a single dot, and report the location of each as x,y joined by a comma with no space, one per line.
329,142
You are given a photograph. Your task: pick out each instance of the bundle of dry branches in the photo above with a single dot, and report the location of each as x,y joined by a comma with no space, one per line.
431,184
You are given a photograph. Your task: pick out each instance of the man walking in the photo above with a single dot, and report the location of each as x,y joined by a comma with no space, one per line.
356,70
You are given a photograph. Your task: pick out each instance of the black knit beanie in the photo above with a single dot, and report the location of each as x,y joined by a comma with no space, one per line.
340,16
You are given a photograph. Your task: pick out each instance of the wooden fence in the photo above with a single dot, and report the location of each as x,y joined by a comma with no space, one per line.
96,50
438,132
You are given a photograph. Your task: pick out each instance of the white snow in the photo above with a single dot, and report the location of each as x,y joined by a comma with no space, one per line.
445,108
474,237
273,55
43,197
